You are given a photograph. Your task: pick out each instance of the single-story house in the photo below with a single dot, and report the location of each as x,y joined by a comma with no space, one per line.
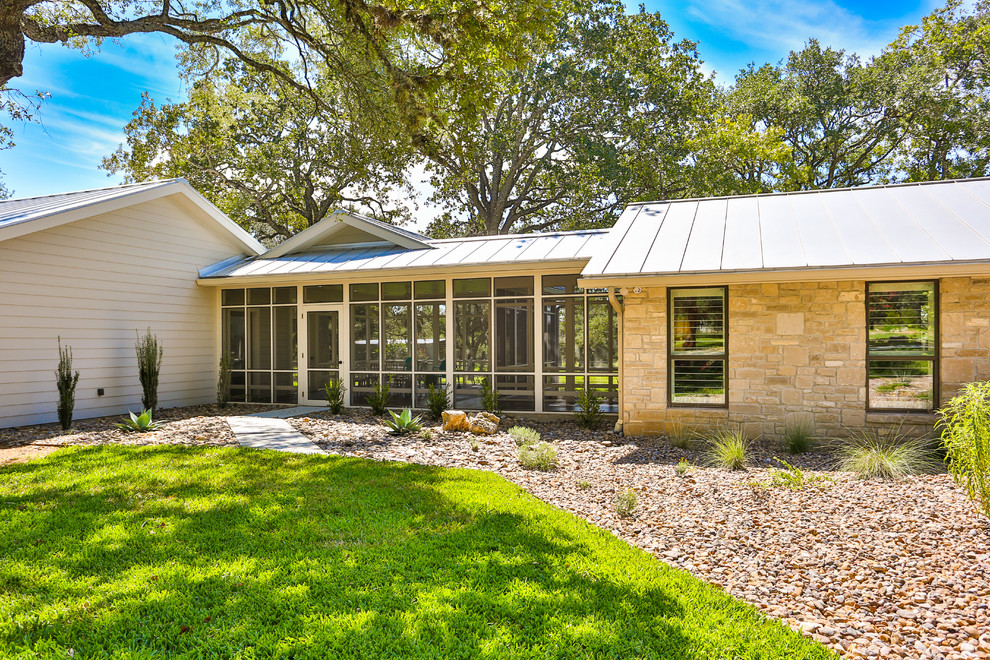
845,307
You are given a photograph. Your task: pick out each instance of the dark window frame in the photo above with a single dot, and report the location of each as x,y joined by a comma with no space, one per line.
724,355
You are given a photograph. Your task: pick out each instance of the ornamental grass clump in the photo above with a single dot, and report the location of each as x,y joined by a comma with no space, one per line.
798,436
149,359
437,401
728,449
524,436
965,425
873,456
625,502
66,382
334,390
677,434
378,400
542,456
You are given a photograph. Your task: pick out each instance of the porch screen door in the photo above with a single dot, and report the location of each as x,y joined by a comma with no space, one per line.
322,350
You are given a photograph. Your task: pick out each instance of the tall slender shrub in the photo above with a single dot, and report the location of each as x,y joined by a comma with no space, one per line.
66,381
965,425
490,397
589,413
223,381
149,358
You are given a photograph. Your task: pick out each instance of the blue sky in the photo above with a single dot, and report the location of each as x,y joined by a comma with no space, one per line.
92,98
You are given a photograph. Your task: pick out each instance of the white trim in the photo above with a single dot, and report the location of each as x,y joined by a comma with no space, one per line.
318,234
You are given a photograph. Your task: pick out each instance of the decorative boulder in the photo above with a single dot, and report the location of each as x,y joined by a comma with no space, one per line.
484,424
455,420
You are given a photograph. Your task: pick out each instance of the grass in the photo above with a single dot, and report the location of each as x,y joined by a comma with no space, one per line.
218,552
799,436
873,456
728,449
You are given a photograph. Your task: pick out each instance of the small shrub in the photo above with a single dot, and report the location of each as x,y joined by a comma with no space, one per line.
682,467
871,455
403,423
223,381
437,401
793,477
540,456
426,434
625,502
490,397
475,446
589,413
524,436
728,449
66,382
379,399
965,424
149,359
583,484
334,390
798,436
678,435
142,423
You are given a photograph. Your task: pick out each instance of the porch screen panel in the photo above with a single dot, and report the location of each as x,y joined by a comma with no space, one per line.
901,336
471,323
697,353
431,337
364,337
397,331
260,334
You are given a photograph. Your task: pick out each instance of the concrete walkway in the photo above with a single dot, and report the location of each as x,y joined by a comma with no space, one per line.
270,433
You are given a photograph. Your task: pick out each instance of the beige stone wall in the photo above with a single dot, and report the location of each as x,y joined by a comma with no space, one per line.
795,350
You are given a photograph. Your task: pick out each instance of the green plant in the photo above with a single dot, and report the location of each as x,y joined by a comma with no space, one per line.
403,423
223,381
437,401
793,477
542,456
524,436
378,400
589,413
142,423
798,436
625,502
682,467
583,484
426,434
66,382
490,397
678,434
965,424
149,359
334,390
728,449
871,455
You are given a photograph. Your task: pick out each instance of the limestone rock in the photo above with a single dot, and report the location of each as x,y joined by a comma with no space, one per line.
484,424
455,420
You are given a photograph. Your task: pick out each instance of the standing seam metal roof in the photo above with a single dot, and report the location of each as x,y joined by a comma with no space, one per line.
16,211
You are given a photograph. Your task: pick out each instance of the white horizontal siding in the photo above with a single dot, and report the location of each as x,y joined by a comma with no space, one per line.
96,283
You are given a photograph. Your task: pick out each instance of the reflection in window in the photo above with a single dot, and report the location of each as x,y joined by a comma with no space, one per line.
901,345
514,335
284,343
234,336
398,337
364,337
259,325
603,337
471,336
563,334
696,346
431,337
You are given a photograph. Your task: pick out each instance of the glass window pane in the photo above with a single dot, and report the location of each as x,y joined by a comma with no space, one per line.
238,386
259,387
563,334
513,286
400,390
396,291
323,293
361,386
431,337
230,297
430,289
901,318
902,384
467,392
259,326
560,393
697,321
286,388
285,337
398,338
698,381
316,383
471,336
259,296
514,335
516,392
364,337
234,336
322,340
423,383
556,285
603,335
284,295
367,291
474,288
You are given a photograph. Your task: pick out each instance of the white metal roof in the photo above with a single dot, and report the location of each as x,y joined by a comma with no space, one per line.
904,224
14,211
326,231
447,253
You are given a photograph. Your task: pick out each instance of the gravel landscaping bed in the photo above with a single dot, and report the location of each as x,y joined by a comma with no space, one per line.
871,569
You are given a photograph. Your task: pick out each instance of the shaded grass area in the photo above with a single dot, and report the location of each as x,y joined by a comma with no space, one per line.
219,552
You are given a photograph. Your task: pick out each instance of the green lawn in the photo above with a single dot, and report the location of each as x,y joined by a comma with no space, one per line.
167,551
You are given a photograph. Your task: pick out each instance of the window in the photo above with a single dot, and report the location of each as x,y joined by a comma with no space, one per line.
901,345
696,353
323,293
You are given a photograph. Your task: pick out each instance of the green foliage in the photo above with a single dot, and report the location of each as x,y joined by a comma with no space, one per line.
66,382
475,446
524,436
334,390
799,435
872,455
490,397
583,484
965,430
149,359
378,400
142,423
542,456
403,423
426,434
626,501
589,413
682,468
437,401
794,478
728,449
223,381
677,434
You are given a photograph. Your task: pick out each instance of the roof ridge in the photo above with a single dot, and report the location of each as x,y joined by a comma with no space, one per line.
489,237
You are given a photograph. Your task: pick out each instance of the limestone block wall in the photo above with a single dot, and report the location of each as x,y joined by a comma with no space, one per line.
795,350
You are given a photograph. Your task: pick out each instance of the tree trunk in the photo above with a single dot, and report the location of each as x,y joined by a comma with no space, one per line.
11,42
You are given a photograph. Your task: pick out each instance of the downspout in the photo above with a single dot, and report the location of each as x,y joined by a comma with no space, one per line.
617,306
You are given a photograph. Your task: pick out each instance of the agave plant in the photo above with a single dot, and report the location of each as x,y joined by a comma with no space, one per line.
403,423
142,423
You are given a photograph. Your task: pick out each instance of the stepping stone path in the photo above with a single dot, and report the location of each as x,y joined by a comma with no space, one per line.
269,430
